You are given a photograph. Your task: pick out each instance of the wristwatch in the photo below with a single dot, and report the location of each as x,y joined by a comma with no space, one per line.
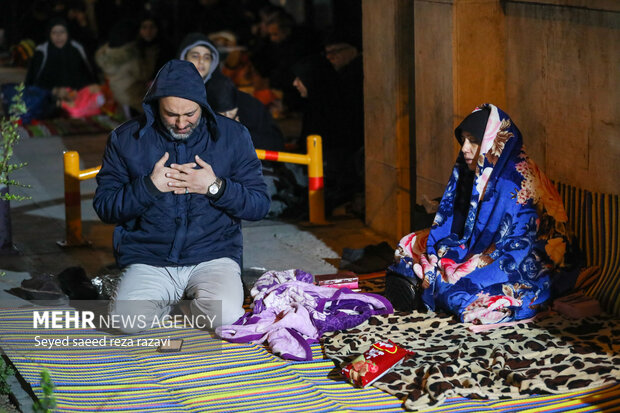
214,188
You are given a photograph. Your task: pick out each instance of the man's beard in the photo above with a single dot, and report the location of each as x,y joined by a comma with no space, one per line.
180,136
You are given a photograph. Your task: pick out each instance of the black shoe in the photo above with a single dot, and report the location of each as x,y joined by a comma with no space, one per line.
43,288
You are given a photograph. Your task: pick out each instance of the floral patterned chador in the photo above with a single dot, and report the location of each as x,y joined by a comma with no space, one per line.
514,235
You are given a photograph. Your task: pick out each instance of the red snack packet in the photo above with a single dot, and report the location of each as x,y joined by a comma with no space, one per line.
374,363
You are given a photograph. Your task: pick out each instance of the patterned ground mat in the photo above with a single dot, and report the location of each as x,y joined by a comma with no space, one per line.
69,126
211,375
207,375
552,355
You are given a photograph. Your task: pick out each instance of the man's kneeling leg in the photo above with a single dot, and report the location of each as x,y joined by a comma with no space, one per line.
216,291
144,296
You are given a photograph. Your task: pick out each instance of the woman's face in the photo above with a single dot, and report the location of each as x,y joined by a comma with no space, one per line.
59,35
470,149
148,30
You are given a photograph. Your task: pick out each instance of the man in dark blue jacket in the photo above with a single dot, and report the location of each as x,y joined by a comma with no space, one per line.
177,182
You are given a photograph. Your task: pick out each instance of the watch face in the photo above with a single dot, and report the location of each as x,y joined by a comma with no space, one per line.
213,188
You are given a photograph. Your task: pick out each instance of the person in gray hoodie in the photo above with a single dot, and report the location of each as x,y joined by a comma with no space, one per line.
197,48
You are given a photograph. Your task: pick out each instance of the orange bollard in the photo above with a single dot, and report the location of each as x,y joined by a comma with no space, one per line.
316,195
73,201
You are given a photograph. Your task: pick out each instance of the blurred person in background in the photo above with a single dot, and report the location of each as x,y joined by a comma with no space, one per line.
317,84
124,69
60,61
153,48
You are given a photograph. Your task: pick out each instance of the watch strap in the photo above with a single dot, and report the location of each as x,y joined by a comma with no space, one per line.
221,183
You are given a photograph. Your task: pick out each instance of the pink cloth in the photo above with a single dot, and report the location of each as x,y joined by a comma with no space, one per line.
478,328
87,102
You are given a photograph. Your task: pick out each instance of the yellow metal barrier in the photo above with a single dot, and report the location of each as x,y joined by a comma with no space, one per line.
313,158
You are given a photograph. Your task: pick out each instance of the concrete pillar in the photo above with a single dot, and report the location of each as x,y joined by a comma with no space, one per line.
478,55
563,71
388,76
459,63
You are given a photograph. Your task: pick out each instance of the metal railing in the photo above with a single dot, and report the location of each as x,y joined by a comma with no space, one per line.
73,176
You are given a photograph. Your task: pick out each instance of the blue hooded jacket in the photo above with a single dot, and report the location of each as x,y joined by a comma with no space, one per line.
165,229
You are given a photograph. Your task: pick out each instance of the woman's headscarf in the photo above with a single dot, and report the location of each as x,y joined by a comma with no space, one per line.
221,94
57,21
475,123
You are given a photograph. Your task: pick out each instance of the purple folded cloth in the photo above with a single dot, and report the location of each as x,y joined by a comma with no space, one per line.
290,313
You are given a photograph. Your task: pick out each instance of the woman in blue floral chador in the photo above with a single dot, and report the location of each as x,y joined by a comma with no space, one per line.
499,233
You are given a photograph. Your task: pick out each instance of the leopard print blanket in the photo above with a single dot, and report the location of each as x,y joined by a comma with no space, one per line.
549,355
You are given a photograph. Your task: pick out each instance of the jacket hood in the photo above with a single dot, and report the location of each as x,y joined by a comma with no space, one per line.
181,79
198,39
